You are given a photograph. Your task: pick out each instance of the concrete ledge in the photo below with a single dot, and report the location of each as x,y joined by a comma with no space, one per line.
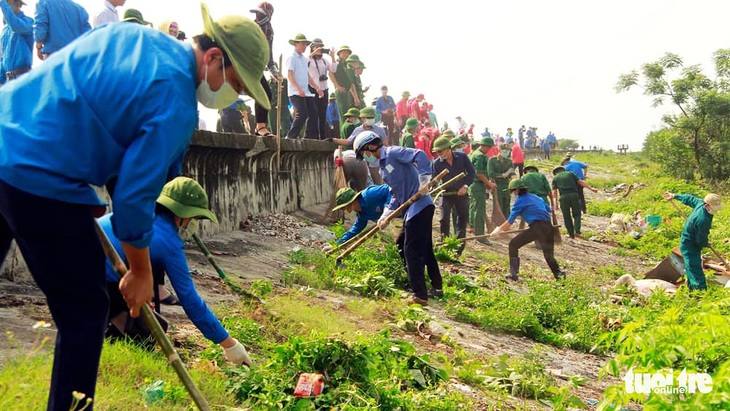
248,142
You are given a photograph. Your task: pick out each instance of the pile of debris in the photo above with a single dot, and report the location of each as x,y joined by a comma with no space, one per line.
286,227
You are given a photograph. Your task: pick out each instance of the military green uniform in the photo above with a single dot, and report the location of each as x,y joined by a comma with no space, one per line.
567,185
497,166
694,237
478,194
407,140
537,184
358,90
345,78
347,128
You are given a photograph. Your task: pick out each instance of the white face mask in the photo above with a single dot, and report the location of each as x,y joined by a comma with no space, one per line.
218,99
369,122
710,209
458,150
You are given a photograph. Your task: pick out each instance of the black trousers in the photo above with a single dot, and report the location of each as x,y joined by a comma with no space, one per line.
59,243
461,205
416,247
582,199
542,232
305,108
262,114
321,118
232,121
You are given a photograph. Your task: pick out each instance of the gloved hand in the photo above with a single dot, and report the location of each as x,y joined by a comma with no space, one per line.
238,355
327,248
339,162
496,231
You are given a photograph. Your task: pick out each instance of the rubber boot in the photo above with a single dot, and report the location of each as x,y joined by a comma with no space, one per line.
514,268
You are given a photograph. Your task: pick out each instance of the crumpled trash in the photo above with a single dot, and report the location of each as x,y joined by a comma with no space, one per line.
154,392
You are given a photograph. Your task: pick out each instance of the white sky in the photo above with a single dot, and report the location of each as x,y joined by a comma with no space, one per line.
548,64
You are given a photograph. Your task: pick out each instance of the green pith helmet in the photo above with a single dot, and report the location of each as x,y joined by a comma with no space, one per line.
405,94
456,142
332,96
487,142
185,198
448,134
343,48
565,160
529,168
516,184
345,196
367,112
441,143
558,169
411,123
353,58
352,112
135,16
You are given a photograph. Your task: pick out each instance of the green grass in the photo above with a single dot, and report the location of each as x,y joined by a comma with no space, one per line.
124,372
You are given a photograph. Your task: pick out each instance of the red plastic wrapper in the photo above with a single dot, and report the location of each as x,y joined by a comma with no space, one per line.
309,385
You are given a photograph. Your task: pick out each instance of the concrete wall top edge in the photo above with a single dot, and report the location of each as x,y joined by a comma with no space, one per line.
247,142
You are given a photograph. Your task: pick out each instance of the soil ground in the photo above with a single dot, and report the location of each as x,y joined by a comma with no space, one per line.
261,253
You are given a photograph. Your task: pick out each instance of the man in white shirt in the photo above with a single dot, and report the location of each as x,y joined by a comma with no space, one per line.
108,14
320,66
299,89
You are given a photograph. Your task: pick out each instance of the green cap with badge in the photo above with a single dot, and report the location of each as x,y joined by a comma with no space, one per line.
456,142
352,112
299,38
247,47
487,142
516,184
185,198
345,197
411,123
367,112
448,134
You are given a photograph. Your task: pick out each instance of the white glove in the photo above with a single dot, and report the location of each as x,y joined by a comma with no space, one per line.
238,355
424,178
327,248
496,231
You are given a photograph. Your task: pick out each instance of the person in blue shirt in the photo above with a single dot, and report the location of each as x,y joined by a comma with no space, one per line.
456,197
333,117
119,102
407,171
581,171
546,149
536,213
57,23
182,201
368,205
695,234
385,106
16,40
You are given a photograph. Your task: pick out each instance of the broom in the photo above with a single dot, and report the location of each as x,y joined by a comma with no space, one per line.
558,238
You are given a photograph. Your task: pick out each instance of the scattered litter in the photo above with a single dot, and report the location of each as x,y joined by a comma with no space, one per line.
309,385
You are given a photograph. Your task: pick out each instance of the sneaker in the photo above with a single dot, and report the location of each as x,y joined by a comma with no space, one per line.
435,293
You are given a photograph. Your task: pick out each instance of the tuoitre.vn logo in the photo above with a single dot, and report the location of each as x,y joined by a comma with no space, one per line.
666,383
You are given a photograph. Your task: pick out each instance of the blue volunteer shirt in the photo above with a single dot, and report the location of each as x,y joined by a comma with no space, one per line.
576,167
70,21
117,102
333,114
384,103
531,208
400,168
167,253
372,203
16,41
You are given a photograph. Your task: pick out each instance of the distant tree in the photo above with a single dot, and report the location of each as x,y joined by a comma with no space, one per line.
702,124
668,148
567,144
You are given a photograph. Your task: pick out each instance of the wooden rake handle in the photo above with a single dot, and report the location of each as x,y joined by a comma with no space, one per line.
390,218
149,318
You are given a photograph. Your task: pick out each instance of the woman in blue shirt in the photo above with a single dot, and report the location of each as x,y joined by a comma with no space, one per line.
182,200
536,213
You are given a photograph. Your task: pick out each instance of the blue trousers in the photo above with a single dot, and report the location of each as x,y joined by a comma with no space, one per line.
693,266
61,248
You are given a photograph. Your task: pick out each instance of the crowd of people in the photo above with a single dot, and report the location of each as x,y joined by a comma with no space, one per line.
122,100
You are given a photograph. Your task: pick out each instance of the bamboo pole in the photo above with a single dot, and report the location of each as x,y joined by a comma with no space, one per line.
477,237
236,289
391,217
278,118
717,253
149,318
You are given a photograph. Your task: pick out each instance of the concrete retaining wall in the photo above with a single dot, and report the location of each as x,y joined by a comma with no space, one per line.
240,174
